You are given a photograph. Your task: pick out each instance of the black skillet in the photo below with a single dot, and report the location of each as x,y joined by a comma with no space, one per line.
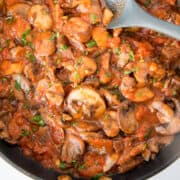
14,156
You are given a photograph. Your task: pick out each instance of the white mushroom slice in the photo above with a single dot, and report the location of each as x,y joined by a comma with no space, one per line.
53,91
40,17
87,101
24,83
78,29
19,8
126,118
171,119
110,161
110,124
72,148
165,113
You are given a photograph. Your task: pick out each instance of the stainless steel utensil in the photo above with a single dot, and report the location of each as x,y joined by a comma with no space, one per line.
128,13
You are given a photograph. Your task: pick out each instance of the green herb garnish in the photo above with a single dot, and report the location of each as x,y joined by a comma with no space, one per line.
147,3
117,51
1,49
64,47
54,36
131,55
97,177
82,166
39,120
79,61
77,76
17,85
93,18
30,56
25,106
147,133
62,165
25,133
24,36
10,19
91,44
131,71
108,74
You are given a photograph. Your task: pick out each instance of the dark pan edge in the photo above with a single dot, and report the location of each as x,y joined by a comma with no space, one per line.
34,170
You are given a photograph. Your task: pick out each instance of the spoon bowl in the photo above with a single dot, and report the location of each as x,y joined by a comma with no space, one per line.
128,13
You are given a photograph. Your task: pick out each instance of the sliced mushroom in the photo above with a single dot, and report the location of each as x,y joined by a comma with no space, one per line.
84,67
123,56
77,29
41,41
72,149
136,94
164,112
110,124
53,91
126,118
105,71
40,17
13,68
88,136
142,72
20,9
112,100
86,126
24,83
171,123
94,164
85,101
110,161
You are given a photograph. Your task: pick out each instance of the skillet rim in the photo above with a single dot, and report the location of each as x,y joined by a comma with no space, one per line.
146,170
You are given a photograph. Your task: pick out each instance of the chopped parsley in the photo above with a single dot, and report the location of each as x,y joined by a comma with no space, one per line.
117,51
62,165
154,80
64,47
91,44
93,18
58,61
147,133
131,71
124,41
82,166
147,3
25,106
131,55
79,61
10,19
24,41
74,123
174,92
39,120
77,76
97,177
17,85
54,36
1,49
30,56
108,74
25,133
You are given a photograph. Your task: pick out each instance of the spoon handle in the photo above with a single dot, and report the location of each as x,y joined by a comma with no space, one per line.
134,15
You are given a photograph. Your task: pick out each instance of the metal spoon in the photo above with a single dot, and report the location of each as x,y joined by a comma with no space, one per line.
128,13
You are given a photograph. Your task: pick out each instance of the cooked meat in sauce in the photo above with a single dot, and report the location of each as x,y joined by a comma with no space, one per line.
82,99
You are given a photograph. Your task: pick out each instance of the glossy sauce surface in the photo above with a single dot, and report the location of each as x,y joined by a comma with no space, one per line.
81,99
